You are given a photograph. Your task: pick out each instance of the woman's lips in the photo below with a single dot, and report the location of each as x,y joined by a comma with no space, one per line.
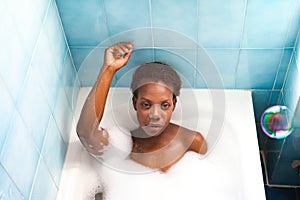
154,127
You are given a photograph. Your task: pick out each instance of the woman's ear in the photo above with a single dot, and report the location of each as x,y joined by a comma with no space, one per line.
174,103
134,100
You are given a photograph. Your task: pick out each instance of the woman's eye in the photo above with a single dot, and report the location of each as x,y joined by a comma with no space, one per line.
146,105
165,106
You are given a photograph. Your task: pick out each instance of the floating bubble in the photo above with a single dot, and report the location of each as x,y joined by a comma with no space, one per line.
276,122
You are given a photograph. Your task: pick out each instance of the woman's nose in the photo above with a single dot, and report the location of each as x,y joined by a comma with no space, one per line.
154,113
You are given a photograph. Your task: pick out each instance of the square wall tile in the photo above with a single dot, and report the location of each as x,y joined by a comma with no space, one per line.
225,61
34,109
7,108
63,115
76,88
138,57
291,89
168,38
28,17
142,38
291,149
274,144
88,62
272,28
185,69
69,78
56,37
8,189
44,67
13,55
297,48
284,64
80,54
122,16
89,17
297,115
44,186
175,17
257,68
284,173
208,73
276,193
221,24
54,151
294,25
19,146
271,162
298,192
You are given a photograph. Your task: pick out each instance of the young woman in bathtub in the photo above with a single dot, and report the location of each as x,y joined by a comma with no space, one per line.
157,143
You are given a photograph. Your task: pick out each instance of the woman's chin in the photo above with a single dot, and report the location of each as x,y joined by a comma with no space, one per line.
153,131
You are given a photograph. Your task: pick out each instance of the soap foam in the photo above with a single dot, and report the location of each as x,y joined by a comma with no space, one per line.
192,177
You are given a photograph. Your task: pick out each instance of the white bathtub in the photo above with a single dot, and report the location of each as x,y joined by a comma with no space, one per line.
232,168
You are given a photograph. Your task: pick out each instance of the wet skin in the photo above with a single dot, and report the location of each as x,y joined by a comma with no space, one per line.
157,143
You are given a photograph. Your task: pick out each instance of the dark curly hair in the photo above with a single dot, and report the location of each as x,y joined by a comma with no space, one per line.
155,72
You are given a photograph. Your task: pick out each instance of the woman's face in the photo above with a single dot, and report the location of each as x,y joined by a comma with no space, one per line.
154,105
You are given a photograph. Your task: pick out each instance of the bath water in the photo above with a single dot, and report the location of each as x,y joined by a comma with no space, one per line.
118,177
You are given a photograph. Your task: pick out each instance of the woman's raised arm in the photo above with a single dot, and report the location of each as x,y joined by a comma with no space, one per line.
93,138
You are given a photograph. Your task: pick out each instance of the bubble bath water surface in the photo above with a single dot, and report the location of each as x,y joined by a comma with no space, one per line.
190,178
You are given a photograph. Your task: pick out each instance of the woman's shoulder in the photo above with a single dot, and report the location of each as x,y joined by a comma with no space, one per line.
184,129
194,138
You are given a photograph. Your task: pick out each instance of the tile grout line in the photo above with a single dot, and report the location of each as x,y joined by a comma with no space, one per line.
11,179
265,166
183,47
105,19
151,28
43,146
292,15
240,46
278,158
276,76
35,175
197,46
66,42
293,52
244,22
286,74
71,56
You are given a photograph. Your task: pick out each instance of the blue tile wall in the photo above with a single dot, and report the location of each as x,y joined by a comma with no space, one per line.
38,89
93,12
276,193
227,32
284,152
8,188
119,20
183,12
272,28
257,63
221,24
44,187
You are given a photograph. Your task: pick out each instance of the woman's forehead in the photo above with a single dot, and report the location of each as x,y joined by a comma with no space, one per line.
154,89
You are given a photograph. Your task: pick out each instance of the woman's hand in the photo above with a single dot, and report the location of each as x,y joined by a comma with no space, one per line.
117,55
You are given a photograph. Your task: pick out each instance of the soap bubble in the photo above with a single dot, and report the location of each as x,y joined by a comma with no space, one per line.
276,122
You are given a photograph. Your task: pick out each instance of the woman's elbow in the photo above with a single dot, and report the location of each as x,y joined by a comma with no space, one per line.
203,148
